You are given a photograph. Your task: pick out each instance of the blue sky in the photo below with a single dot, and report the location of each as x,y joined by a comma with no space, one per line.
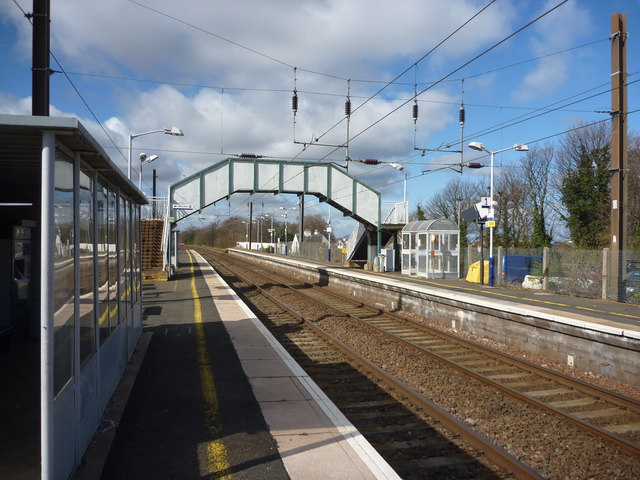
224,73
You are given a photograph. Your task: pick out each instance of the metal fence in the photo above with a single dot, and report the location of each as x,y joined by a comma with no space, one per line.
319,252
156,209
581,273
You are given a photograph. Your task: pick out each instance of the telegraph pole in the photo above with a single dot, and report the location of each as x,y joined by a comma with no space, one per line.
618,154
40,70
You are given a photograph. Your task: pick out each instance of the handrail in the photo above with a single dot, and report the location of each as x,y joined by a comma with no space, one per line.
398,215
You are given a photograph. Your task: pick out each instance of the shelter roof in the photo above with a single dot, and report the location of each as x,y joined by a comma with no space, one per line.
441,224
21,148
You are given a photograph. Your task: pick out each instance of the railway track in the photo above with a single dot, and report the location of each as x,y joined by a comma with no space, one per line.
612,417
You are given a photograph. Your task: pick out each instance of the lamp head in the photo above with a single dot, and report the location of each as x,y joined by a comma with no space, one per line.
175,131
519,147
397,166
479,146
147,158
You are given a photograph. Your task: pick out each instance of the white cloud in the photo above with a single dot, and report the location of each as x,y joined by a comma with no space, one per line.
554,32
357,39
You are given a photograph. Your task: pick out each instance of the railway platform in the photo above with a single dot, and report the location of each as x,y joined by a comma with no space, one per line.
215,396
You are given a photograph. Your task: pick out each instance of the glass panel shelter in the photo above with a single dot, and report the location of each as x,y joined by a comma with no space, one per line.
69,276
430,249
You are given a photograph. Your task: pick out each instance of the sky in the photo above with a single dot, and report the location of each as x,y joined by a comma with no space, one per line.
224,72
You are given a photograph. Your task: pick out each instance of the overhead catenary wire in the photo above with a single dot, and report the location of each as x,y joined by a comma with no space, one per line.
484,52
330,75
446,166
99,122
439,44
309,92
547,109
529,142
496,127
288,91
231,88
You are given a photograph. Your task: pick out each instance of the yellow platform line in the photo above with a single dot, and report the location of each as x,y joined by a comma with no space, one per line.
217,458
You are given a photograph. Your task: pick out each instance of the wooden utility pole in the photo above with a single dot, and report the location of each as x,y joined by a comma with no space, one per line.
40,59
618,154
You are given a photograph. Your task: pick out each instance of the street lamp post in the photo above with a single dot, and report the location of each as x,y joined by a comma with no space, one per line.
246,237
144,158
518,147
174,131
285,215
400,168
405,206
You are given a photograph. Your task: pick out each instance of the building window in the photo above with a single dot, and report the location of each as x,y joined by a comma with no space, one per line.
63,273
86,262
112,240
102,259
123,248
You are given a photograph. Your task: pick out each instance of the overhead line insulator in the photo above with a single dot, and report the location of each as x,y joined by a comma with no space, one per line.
347,107
294,102
415,112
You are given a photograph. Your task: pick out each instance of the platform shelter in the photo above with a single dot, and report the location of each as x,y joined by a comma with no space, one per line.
431,249
70,297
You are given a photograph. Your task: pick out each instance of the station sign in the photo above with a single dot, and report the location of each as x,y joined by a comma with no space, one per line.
182,206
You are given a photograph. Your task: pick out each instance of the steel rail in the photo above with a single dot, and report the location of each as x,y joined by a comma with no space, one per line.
492,452
622,401
562,379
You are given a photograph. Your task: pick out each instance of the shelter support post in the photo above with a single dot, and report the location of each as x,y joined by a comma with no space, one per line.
46,304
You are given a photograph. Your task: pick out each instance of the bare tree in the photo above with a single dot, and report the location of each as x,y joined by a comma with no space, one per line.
513,209
537,170
457,195
313,223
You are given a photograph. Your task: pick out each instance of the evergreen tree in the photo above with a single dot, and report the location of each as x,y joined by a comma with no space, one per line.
420,212
540,238
585,195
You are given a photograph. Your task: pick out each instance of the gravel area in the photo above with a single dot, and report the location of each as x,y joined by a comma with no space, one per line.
546,443
632,391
